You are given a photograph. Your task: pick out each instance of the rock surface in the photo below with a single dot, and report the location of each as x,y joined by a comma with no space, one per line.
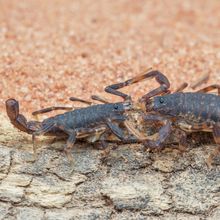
129,183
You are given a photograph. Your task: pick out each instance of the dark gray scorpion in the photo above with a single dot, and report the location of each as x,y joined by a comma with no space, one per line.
89,122
187,111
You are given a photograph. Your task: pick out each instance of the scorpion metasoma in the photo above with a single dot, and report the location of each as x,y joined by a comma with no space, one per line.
87,122
187,111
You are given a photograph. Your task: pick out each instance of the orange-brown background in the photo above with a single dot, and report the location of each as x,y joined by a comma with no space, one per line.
51,50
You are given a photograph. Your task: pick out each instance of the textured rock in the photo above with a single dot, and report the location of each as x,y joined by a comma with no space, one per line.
5,159
141,192
79,214
29,213
4,210
12,187
214,215
195,191
50,192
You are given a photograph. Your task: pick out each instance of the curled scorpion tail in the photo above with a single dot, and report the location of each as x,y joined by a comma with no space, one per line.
18,120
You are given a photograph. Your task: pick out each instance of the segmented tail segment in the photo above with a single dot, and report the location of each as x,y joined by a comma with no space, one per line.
18,120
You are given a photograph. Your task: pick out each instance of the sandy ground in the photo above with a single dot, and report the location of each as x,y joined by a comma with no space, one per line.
51,50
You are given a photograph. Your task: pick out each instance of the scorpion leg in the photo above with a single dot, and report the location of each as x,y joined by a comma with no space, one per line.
164,131
53,108
181,87
182,141
103,145
49,109
39,132
100,99
209,88
216,134
74,99
192,128
78,133
116,130
94,97
203,79
160,78
200,81
69,145
205,127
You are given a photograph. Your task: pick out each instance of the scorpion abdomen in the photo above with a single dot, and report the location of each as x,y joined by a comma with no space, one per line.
87,117
195,107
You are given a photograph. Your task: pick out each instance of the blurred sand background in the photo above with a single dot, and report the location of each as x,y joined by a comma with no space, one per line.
51,50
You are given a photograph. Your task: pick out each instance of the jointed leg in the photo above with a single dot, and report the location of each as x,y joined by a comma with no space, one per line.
52,108
74,99
70,141
164,131
182,140
40,131
181,87
193,127
209,88
216,134
201,80
160,78
116,130
100,99
69,145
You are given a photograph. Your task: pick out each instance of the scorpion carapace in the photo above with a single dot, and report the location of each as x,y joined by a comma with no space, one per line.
188,111
94,120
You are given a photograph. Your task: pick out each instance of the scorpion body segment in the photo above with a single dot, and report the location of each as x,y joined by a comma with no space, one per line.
191,107
89,116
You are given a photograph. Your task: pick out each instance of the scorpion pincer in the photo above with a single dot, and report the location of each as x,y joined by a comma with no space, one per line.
94,120
187,111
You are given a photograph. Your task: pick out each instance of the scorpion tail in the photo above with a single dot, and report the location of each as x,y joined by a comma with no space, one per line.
19,120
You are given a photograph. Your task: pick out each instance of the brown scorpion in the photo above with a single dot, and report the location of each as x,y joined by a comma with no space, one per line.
84,122
188,111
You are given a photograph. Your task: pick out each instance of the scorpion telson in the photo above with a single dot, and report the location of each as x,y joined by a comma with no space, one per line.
93,120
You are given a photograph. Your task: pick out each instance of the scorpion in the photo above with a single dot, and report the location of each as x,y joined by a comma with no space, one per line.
86,122
186,111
